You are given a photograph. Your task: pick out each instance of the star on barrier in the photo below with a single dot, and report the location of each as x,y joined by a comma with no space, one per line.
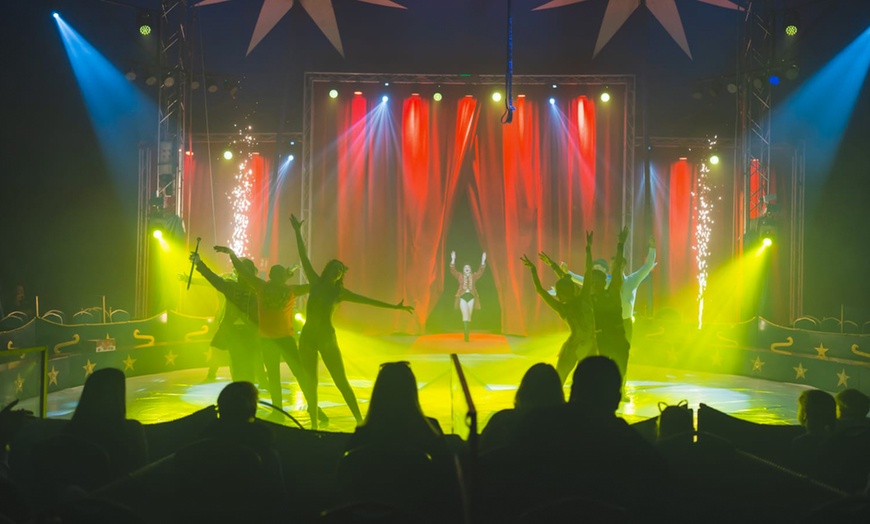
822,351
843,378
320,11
89,367
800,371
618,12
128,363
52,376
757,364
19,384
170,358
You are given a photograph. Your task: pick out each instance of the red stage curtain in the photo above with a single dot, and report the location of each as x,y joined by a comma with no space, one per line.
680,209
384,180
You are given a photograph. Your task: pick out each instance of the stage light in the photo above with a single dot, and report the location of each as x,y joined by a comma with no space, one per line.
333,93
774,80
555,86
357,93
212,87
130,75
552,101
767,242
714,159
384,98
151,80
290,157
436,97
158,234
169,81
194,84
386,84
792,22
731,87
145,22
792,72
605,97
496,97
55,15
228,155
299,317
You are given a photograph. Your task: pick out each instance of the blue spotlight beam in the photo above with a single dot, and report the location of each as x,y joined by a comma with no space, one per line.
120,114
819,111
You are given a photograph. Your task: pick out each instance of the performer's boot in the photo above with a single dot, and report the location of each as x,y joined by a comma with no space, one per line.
466,330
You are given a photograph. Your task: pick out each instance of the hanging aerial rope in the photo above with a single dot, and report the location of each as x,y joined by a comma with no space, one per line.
508,115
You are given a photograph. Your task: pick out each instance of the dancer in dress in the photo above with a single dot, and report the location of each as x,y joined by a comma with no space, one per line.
318,335
467,299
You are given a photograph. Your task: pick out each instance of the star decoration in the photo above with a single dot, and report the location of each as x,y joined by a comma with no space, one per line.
800,371
843,378
52,376
19,384
320,11
822,351
128,363
757,364
170,358
89,367
717,358
618,11
208,354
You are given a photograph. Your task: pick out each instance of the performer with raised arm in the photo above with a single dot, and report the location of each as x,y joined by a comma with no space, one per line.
467,299
275,306
629,285
575,307
237,332
607,304
318,335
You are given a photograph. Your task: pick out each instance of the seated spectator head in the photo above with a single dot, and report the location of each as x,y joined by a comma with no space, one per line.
817,411
675,422
539,388
852,404
597,385
237,403
103,400
566,289
395,402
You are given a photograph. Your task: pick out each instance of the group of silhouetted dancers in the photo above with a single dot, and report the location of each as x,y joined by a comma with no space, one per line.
597,307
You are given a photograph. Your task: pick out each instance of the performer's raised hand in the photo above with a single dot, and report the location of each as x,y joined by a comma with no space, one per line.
546,258
223,249
528,263
194,258
295,222
453,258
623,235
483,259
651,241
564,267
589,238
401,305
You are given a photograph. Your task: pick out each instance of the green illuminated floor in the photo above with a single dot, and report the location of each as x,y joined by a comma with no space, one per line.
493,365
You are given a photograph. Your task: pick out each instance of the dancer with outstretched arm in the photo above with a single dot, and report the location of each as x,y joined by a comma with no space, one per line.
318,335
575,307
467,299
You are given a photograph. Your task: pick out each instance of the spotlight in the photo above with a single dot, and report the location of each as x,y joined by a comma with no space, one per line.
552,101
290,157
158,234
386,84
731,87
774,80
333,93
791,21
357,93
299,317
555,86
767,242
145,22
605,97
194,84
55,15
436,97
496,97
212,87
151,80
169,81
228,155
714,159
384,98
130,75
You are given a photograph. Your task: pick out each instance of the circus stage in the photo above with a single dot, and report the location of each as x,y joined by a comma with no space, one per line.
493,364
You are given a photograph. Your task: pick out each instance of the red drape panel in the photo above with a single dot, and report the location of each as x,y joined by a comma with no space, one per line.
680,227
431,167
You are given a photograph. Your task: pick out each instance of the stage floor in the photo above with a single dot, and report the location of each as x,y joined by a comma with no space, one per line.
493,365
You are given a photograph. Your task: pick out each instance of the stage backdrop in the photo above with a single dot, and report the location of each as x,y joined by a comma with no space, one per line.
387,164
